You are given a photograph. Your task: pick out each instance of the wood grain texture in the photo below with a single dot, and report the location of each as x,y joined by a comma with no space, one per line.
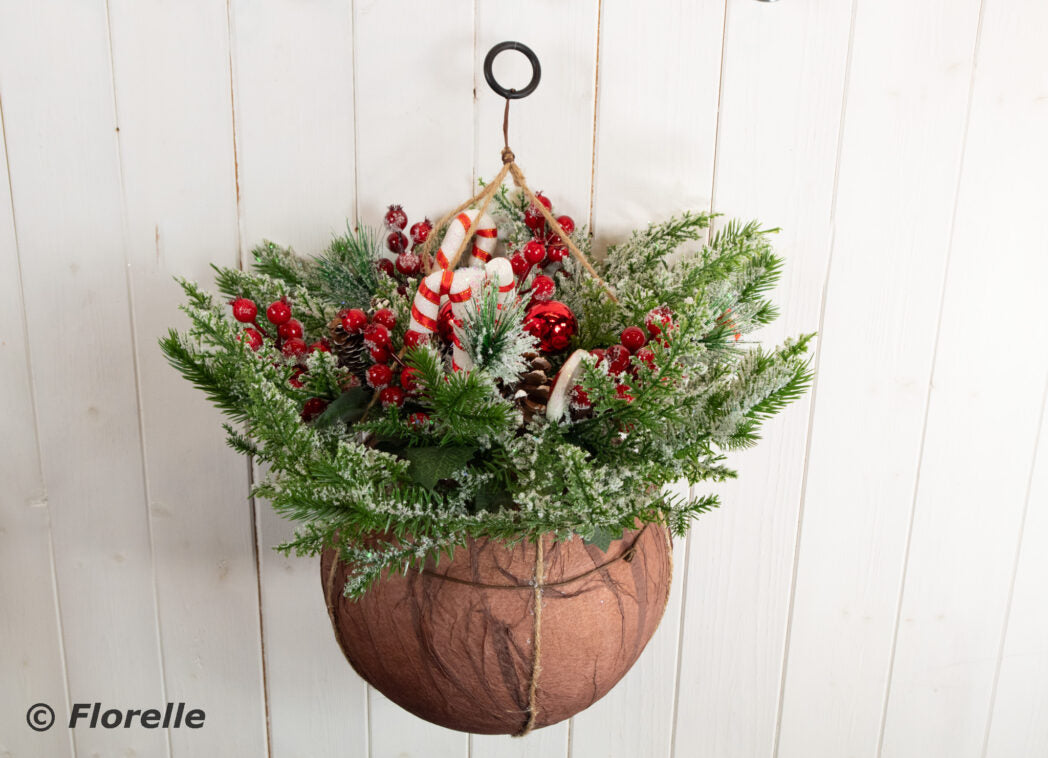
973,491
293,95
788,61
879,329
176,149
65,179
32,665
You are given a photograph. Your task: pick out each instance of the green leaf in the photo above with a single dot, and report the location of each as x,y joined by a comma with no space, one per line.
347,407
431,464
603,538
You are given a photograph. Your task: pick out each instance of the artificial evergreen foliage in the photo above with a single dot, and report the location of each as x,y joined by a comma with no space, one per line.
389,486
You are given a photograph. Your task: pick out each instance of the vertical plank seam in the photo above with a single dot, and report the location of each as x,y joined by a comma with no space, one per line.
476,105
1015,571
717,119
36,424
596,130
253,505
931,384
675,711
356,134
787,637
129,284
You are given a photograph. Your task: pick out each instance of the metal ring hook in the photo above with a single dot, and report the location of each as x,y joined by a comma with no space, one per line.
536,70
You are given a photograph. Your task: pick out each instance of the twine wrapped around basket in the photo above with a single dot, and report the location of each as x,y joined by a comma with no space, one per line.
501,640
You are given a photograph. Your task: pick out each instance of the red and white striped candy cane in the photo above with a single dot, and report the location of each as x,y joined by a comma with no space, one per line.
431,290
484,239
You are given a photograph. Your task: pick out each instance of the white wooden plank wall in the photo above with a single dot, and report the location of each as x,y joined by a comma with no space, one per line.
874,583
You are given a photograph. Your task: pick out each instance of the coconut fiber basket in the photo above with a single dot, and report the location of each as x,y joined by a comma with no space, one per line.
501,640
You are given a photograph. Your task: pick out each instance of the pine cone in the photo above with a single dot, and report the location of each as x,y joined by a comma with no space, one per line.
349,349
533,391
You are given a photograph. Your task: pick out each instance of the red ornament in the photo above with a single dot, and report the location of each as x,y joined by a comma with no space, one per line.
289,330
658,319
409,380
618,359
319,345
294,348
418,419
376,335
278,313
420,231
567,224
244,310
542,288
632,338
385,317
409,263
391,397
520,264
397,242
552,323
385,265
557,253
379,376
254,339
396,218
414,339
379,354
353,320
534,253
313,408
646,356
580,400
598,353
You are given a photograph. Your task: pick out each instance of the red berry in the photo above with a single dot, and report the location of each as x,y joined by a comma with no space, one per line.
544,200
420,231
567,223
622,391
391,397
409,264
397,242
409,380
633,338
418,419
353,320
414,339
533,217
519,263
278,313
618,359
542,288
396,218
598,353
294,347
385,265
379,376
254,339
376,335
580,399
534,253
244,310
294,381
379,354
385,317
313,408
557,253
289,330
319,345
646,356
658,319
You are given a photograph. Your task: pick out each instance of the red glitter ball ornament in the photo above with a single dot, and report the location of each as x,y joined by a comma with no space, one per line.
552,323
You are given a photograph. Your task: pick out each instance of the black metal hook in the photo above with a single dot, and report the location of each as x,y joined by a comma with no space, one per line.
536,70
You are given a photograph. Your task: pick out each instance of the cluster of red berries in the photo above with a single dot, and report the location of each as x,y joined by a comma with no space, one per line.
289,340
380,376
408,261
630,352
545,246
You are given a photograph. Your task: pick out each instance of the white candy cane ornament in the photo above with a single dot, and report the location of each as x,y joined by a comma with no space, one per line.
484,239
431,290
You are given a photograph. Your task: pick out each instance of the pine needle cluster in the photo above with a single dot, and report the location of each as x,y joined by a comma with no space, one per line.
389,488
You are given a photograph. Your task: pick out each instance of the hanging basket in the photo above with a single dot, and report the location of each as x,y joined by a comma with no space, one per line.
501,640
